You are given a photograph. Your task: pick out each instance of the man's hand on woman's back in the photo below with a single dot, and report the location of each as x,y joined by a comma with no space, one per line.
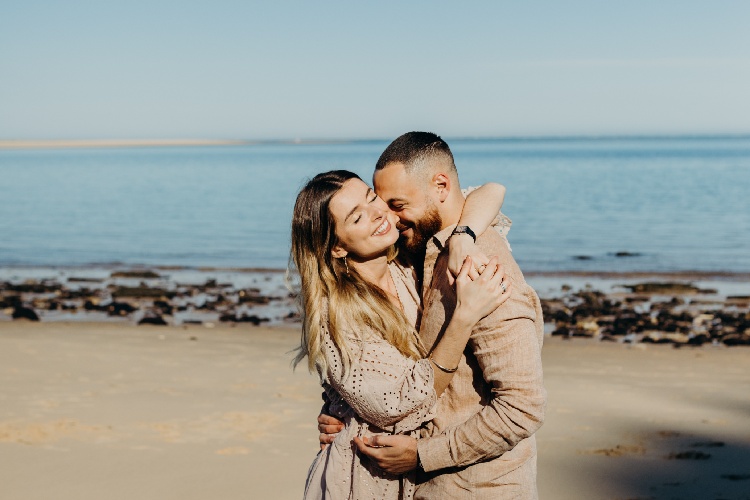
328,427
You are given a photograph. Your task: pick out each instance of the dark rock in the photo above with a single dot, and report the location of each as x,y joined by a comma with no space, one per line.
736,477
638,298
627,254
213,284
689,455
10,301
255,320
562,331
560,316
699,339
140,274
708,444
152,319
164,306
663,288
732,340
228,317
141,292
67,294
21,312
89,305
627,322
34,287
120,309
293,317
252,296
582,257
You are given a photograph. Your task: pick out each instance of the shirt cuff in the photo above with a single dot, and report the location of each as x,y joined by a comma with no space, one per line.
434,453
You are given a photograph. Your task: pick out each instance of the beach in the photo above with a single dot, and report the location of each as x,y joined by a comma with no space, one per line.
117,411
146,321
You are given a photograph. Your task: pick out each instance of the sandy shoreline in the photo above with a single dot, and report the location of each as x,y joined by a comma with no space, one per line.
116,411
112,143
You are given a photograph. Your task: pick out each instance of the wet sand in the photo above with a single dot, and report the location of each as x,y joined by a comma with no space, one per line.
92,411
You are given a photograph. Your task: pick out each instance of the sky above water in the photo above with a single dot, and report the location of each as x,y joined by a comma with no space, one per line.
335,69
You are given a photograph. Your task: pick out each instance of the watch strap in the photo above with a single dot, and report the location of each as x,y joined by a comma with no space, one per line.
465,230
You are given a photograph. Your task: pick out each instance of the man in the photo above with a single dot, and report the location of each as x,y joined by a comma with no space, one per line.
481,443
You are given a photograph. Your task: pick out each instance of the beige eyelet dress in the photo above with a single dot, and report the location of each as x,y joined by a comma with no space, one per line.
384,393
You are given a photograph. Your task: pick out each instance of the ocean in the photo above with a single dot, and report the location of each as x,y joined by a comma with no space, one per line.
662,203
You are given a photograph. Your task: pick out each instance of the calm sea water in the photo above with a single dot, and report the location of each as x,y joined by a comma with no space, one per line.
679,203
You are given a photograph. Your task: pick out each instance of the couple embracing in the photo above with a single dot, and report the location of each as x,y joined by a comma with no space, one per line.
429,355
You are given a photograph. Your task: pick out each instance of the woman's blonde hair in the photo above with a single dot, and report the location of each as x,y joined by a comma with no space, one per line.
352,303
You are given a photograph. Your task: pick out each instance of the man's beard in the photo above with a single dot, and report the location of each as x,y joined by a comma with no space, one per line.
422,230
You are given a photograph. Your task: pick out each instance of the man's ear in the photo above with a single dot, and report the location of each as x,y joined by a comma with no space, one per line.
442,184
338,252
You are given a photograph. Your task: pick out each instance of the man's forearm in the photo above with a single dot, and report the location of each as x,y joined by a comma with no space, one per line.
460,446
516,410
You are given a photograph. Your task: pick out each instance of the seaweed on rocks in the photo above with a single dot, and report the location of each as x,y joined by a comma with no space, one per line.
667,288
141,292
138,274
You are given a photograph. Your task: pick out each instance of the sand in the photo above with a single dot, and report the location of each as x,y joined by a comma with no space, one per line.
114,411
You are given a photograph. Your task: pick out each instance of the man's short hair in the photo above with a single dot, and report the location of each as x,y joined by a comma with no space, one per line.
414,147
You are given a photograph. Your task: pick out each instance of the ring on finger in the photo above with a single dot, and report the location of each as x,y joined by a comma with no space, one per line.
503,287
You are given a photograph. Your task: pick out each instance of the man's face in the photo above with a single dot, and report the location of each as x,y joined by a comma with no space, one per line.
419,218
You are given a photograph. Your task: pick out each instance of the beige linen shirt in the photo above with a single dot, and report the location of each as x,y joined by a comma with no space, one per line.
486,419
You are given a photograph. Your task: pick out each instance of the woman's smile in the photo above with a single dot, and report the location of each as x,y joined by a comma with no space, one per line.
383,228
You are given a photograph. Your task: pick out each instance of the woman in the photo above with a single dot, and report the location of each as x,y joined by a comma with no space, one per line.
360,308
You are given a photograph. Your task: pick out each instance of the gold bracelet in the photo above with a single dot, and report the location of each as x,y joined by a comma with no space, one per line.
446,370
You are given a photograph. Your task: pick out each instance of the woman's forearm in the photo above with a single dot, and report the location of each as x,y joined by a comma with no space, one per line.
448,352
481,207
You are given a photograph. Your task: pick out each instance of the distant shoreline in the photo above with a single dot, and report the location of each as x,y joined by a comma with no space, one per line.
146,143
20,144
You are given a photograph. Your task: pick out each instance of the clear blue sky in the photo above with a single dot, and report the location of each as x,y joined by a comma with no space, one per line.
330,69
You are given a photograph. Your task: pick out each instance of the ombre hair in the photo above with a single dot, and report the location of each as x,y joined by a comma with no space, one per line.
331,296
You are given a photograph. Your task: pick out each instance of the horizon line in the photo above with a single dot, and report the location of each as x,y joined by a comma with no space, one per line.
16,144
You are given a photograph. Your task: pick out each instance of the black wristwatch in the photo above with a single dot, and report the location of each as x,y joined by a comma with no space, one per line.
465,230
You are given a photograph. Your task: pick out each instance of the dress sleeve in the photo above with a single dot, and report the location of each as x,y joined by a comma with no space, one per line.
384,387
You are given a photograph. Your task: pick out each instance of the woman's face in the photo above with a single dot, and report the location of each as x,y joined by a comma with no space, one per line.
365,227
